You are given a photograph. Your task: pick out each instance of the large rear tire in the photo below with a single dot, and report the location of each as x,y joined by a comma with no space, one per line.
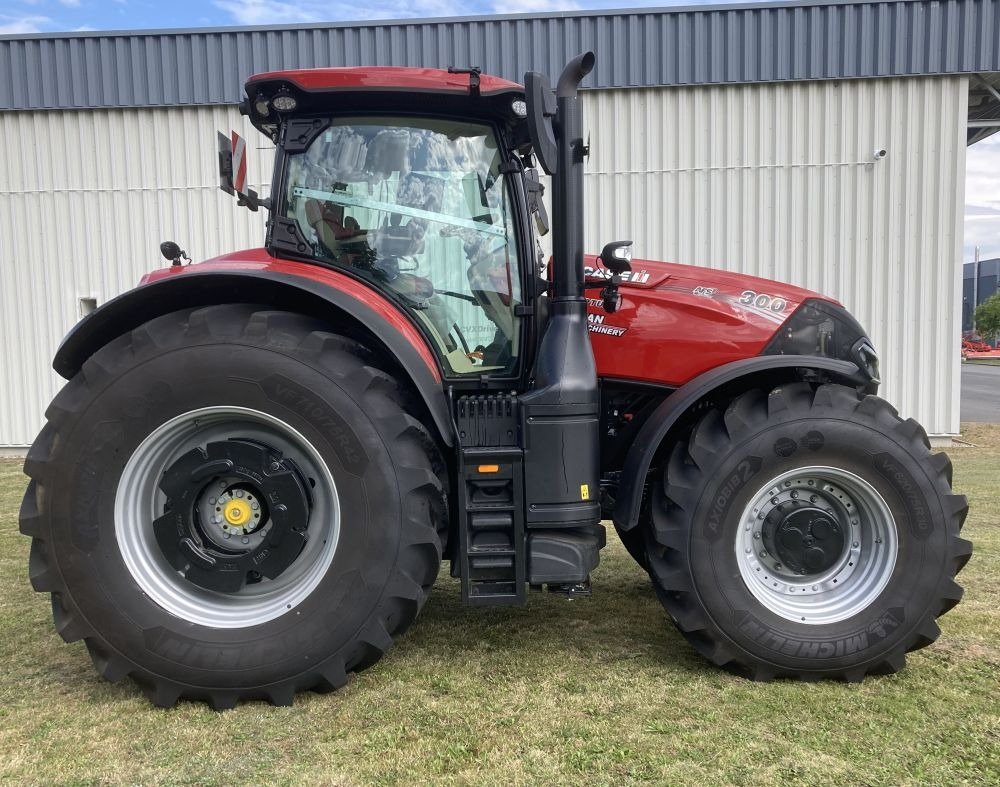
807,532
230,503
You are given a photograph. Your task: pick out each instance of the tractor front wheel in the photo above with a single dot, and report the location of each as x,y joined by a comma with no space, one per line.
233,503
806,532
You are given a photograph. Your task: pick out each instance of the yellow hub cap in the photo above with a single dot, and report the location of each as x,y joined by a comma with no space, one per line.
237,512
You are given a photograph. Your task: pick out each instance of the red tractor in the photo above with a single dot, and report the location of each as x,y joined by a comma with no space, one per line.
248,484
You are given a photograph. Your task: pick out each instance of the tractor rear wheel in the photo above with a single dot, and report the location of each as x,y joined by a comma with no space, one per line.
807,532
233,503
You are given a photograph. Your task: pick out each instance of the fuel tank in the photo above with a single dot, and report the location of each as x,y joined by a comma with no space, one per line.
677,321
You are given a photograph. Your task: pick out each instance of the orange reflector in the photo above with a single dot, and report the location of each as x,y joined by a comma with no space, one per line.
489,468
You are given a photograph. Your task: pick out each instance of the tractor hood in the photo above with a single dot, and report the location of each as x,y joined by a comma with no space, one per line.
677,321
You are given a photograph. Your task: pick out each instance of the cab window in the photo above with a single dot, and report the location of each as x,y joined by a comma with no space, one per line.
420,208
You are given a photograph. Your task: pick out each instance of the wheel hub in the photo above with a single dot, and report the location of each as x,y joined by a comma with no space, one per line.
237,513
816,544
217,531
805,538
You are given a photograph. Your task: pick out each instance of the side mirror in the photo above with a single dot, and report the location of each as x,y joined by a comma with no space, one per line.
541,101
617,256
534,189
233,172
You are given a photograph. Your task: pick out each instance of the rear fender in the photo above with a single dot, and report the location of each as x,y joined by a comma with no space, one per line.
398,340
730,378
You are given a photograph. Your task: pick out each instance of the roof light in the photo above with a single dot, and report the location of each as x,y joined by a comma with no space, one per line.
284,103
519,107
261,106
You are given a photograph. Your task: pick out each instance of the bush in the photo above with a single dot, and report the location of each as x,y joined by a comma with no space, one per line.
988,317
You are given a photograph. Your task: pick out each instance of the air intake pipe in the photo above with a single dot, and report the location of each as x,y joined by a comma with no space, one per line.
560,412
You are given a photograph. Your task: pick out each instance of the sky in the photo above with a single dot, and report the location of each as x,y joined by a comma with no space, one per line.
42,16
982,187
982,199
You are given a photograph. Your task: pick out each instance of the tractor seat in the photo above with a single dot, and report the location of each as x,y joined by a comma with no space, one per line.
333,229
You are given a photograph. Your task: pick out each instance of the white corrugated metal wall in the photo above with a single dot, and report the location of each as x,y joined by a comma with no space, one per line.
781,181
85,199
775,180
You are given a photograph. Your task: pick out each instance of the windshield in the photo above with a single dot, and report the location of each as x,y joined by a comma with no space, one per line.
420,208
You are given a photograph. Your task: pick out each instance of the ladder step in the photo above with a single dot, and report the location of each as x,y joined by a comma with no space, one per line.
491,528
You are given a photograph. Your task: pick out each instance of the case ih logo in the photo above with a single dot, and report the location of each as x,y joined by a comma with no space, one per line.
638,277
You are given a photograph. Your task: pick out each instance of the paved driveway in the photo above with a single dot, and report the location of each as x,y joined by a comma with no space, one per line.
980,393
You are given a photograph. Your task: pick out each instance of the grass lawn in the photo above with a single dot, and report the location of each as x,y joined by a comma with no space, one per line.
983,361
590,691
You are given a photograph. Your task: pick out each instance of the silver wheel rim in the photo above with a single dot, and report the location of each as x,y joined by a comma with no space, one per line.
860,571
139,501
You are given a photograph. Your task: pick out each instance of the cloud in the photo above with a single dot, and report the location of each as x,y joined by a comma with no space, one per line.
12,25
70,3
533,6
982,198
272,12
268,12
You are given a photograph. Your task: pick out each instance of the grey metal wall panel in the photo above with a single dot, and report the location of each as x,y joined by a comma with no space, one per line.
642,48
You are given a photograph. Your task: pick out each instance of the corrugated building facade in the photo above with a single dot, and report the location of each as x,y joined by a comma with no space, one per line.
733,137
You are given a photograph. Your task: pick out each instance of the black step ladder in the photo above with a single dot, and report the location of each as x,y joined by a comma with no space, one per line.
491,526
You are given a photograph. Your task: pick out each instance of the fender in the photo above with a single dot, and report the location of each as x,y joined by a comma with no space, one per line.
658,425
376,317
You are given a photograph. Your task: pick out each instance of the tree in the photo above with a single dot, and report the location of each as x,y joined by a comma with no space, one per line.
988,317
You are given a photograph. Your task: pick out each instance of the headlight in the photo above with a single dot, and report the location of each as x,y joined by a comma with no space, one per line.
823,328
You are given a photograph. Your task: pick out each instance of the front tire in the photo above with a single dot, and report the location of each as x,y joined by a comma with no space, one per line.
807,532
230,503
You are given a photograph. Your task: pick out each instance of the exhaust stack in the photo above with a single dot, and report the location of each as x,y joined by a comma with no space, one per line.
560,412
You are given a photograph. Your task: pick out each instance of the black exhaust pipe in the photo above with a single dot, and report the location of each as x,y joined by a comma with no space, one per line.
560,412
568,186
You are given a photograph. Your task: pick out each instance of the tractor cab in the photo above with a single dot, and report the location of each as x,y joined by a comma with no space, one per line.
410,180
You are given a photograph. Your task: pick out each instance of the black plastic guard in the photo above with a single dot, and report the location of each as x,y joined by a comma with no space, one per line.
276,290
673,408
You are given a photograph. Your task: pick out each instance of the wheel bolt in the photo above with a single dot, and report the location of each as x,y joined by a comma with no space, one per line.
777,565
813,498
763,553
855,544
756,536
275,467
795,495
245,540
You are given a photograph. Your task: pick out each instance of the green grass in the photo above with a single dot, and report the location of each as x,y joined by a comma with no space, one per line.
983,361
591,691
